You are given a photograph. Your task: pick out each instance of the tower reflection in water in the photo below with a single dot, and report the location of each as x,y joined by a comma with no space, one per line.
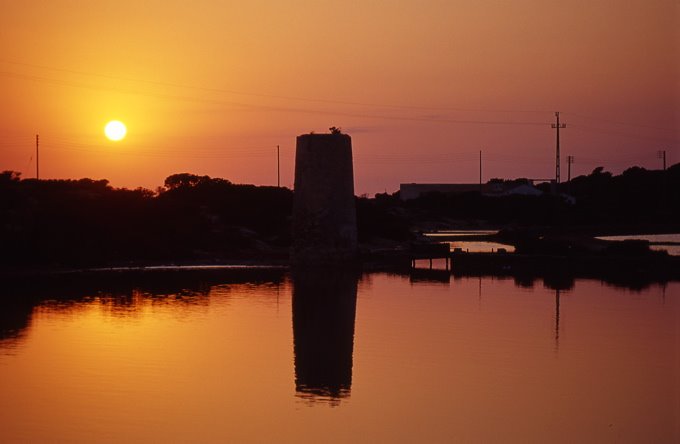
324,307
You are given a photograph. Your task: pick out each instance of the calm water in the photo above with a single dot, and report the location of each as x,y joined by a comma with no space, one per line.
471,246
667,242
479,246
460,233
263,356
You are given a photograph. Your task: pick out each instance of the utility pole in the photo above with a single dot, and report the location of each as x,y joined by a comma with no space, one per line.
557,127
661,154
480,171
37,157
278,166
557,320
570,160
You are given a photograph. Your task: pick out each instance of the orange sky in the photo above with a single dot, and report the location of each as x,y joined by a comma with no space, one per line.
422,86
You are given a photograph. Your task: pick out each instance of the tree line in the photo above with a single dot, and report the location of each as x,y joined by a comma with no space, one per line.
72,222
199,218
637,199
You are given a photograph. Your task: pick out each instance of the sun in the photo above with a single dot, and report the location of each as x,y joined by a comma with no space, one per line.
115,130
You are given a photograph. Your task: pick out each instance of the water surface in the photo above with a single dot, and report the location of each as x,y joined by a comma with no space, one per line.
469,241
339,358
661,242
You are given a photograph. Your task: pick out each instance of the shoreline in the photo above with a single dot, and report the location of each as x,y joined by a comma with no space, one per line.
538,251
647,268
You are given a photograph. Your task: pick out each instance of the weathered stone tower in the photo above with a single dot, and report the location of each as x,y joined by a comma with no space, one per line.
324,213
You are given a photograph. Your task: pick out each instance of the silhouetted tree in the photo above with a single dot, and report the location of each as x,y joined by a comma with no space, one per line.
88,222
187,180
10,176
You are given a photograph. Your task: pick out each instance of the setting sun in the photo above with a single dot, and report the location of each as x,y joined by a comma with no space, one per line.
115,130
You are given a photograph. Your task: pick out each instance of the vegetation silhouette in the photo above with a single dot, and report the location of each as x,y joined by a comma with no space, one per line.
192,218
88,222
638,199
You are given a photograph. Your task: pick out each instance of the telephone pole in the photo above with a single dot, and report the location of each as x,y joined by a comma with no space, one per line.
661,154
480,171
37,157
278,166
557,125
570,160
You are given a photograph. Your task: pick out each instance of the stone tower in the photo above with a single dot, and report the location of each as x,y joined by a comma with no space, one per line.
324,213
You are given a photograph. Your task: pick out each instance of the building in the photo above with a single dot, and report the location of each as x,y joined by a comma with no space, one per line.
409,191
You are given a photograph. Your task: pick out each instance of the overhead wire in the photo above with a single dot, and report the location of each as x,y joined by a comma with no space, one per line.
593,129
392,158
274,96
615,122
305,99
259,107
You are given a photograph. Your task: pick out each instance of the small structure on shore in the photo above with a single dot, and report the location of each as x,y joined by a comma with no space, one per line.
493,188
324,212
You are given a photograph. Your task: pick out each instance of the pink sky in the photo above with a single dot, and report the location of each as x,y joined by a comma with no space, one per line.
213,87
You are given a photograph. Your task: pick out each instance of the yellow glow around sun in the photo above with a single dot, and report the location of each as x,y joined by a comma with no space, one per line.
115,130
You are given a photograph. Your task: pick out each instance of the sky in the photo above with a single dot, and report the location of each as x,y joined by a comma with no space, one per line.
213,87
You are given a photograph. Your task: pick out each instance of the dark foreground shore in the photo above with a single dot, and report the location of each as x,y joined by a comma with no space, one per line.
551,256
558,272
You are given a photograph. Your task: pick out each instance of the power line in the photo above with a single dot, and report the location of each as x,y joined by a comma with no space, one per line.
580,127
222,102
287,109
614,122
274,96
102,149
